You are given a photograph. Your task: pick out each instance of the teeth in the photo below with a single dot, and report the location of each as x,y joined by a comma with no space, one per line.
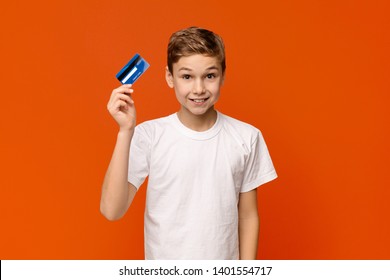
199,100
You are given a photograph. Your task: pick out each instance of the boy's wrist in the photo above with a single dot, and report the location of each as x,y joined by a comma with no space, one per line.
126,132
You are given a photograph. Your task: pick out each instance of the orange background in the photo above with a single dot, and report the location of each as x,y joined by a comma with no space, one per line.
312,75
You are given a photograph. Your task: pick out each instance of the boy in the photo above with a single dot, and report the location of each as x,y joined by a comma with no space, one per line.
203,166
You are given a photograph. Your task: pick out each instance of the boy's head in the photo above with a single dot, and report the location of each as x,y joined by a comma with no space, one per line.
195,40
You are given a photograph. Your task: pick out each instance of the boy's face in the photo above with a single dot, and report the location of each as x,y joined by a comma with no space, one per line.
197,80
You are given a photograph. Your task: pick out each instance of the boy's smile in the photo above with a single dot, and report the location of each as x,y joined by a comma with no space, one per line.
197,80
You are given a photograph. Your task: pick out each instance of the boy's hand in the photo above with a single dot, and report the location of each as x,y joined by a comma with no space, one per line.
121,107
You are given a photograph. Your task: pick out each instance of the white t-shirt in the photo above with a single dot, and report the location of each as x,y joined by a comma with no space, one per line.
194,183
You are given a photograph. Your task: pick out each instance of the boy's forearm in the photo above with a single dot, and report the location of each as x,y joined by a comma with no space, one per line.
115,190
248,234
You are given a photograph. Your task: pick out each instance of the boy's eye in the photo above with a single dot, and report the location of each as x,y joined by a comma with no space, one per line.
210,76
186,77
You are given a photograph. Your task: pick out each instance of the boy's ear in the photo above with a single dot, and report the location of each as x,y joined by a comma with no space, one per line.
168,77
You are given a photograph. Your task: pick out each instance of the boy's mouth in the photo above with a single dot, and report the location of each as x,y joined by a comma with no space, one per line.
198,100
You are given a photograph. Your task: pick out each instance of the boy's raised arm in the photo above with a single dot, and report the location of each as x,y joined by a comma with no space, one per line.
248,225
117,192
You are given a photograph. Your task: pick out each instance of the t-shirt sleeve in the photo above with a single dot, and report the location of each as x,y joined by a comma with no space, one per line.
259,168
139,157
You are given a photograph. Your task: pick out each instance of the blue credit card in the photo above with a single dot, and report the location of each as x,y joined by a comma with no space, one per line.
132,70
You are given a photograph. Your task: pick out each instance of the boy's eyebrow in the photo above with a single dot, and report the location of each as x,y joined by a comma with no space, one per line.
213,68
184,69
189,69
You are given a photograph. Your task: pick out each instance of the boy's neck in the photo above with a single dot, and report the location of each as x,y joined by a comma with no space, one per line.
197,122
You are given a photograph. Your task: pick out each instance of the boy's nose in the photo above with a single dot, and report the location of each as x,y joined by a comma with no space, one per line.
198,87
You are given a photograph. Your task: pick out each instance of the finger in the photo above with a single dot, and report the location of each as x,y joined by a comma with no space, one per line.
115,101
122,96
127,85
119,105
124,89
126,98
128,91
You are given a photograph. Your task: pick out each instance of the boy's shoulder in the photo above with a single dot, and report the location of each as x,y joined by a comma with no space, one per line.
245,134
236,122
149,127
242,128
156,122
